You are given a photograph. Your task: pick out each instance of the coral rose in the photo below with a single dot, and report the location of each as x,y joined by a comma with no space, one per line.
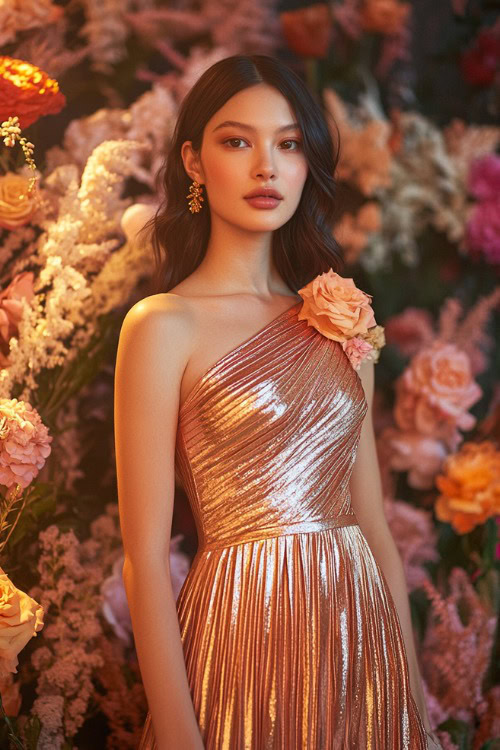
27,91
17,205
21,617
469,486
24,442
336,307
435,391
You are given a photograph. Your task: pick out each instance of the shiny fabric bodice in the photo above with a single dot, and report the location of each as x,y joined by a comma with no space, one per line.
267,437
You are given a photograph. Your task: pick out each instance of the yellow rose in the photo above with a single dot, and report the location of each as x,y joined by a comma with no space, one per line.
16,204
20,619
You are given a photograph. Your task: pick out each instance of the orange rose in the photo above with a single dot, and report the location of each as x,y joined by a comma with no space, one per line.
336,307
27,91
17,205
20,619
469,486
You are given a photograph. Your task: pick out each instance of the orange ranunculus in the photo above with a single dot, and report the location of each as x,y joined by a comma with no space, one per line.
21,617
336,307
28,92
307,30
469,486
383,16
17,204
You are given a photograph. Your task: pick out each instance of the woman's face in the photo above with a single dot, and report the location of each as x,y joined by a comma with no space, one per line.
262,147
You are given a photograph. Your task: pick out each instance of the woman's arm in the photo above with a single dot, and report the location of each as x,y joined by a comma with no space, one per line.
367,501
152,353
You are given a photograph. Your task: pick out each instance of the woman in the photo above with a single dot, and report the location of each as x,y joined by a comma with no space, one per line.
292,630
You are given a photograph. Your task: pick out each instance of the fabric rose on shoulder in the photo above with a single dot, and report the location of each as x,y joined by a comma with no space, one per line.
340,311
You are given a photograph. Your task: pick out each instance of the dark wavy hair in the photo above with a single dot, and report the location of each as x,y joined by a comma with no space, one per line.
301,248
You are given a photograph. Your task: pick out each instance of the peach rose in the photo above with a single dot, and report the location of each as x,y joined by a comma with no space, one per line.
336,307
16,204
21,617
435,391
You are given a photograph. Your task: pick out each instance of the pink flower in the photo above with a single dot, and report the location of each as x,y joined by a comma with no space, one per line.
24,442
434,393
21,617
420,455
115,606
410,330
336,307
483,180
357,350
20,287
482,233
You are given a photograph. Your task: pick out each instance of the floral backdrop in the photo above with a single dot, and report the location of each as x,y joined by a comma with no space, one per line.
89,91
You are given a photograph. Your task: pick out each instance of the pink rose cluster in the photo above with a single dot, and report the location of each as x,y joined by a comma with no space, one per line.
433,396
483,228
24,442
340,311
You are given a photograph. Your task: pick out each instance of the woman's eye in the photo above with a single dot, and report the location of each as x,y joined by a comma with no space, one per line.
289,140
292,140
232,140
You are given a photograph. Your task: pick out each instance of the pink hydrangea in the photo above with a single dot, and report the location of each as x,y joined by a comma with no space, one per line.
24,442
482,232
484,177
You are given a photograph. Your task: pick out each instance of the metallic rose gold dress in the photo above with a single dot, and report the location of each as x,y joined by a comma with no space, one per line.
290,635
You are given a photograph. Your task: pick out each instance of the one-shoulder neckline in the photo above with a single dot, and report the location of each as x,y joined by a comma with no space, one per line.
201,380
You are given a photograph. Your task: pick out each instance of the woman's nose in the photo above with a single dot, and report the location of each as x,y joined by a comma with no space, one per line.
265,168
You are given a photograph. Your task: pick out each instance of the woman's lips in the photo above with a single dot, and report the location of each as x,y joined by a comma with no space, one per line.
261,201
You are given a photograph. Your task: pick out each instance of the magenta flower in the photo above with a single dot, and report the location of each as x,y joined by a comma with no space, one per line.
484,177
482,232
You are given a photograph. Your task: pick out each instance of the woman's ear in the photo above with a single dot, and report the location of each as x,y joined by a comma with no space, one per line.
191,162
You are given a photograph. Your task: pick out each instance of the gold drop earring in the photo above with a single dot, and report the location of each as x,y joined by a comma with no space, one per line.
195,194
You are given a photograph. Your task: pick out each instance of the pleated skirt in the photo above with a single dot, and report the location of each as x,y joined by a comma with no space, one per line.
294,643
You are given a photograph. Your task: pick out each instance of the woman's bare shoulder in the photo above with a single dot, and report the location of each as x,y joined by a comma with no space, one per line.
159,330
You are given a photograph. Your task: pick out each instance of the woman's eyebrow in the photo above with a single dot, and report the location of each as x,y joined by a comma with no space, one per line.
234,124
